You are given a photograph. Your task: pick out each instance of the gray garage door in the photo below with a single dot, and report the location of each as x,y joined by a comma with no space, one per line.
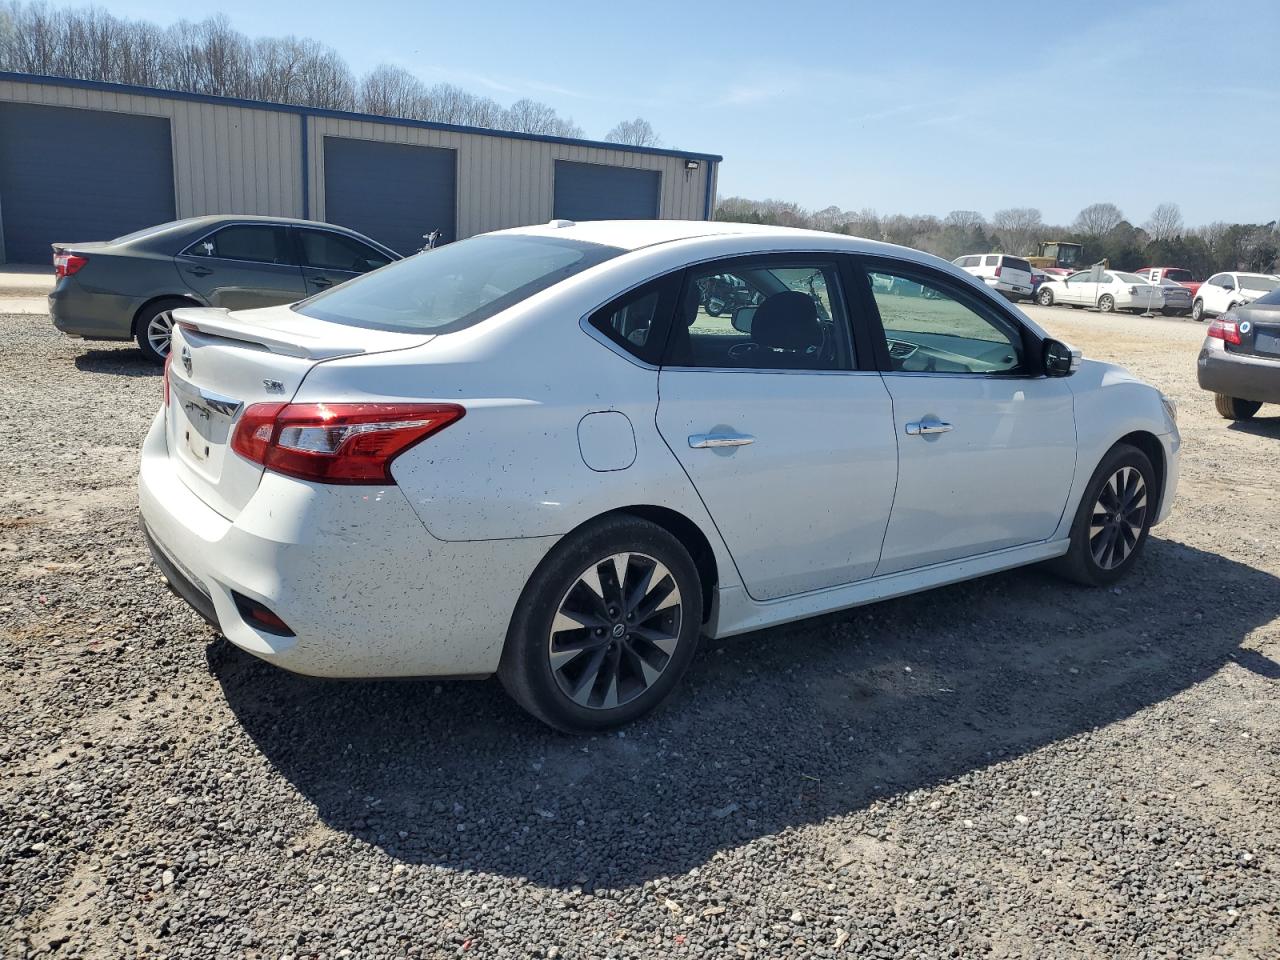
593,191
77,175
392,192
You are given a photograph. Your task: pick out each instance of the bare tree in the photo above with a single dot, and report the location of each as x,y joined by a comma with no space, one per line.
530,116
637,133
964,220
393,92
1165,222
1018,228
1098,219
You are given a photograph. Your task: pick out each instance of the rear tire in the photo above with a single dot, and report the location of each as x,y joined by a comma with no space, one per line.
1111,524
1107,303
1197,311
639,637
1233,408
152,326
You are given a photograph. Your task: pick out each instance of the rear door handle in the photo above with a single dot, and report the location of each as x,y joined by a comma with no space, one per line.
701,441
199,271
919,428
322,281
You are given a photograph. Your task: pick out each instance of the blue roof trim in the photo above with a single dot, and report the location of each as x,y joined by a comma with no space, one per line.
343,114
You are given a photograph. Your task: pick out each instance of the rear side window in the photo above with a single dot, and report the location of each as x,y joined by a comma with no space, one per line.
992,261
1013,263
455,286
637,321
253,243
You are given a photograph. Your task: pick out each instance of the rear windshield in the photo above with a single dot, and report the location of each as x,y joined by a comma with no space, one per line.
1131,277
151,231
1251,281
1013,263
457,285
1272,297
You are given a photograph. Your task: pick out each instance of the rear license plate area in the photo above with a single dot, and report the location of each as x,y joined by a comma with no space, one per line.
1267,343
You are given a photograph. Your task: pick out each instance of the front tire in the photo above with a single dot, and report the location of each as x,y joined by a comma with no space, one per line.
1045,298
605,628
1233,408
1113,519
1107,303
153,328
1197,311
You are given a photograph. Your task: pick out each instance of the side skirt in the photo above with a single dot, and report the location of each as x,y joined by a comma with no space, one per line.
735,612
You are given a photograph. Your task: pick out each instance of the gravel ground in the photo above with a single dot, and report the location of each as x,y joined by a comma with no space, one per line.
1012,767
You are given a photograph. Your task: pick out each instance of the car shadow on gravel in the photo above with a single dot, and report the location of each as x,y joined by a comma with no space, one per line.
785,727
1258,426
121,361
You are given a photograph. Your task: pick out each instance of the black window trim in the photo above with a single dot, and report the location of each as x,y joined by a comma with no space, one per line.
981,301
836,259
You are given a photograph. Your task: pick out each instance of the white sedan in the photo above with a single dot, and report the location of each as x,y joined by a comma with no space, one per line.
536,453
1107,290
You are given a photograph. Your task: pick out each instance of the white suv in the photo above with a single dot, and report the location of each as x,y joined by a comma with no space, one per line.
1008,275
1223,291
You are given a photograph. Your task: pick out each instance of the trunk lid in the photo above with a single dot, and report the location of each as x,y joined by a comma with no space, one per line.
1262,336
222,363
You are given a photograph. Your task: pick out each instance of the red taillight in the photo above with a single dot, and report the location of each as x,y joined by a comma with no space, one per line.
337,442
1224,328
997,271
65,264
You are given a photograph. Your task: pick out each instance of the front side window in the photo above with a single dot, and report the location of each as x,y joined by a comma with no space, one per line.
775,314
457,285
249,242
325,250
928,330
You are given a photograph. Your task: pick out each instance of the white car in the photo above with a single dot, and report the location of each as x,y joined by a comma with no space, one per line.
535,453
1223,291
1106,290
1008,275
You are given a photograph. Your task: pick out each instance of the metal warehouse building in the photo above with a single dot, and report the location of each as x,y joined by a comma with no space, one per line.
82,160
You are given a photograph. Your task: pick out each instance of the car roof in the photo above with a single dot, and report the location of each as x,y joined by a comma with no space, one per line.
636,234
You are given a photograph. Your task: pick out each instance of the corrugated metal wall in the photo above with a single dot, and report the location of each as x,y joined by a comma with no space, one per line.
225,159
230,158
507,182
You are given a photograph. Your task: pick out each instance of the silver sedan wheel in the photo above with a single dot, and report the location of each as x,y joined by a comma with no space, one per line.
1118,518
615,631
160,332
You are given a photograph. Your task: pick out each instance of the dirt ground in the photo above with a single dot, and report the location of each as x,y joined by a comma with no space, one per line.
1013,767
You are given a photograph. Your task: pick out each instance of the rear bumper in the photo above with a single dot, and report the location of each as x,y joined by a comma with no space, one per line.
1234,375
366,589
95,316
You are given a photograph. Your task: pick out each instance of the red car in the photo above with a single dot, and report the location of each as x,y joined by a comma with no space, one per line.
1176,274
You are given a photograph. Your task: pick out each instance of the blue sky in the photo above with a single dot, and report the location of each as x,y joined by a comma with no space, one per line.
906,107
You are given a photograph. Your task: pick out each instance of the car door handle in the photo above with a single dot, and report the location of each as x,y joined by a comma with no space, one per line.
700,441
322,281
199,271
919,428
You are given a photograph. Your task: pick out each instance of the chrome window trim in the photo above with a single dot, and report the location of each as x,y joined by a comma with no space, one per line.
286,227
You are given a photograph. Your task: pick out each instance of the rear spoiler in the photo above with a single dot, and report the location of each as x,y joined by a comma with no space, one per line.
218,322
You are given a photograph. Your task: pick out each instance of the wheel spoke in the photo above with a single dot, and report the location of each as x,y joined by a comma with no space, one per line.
615,631
586,683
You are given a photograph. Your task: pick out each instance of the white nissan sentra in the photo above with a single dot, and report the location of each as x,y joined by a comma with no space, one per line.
537,453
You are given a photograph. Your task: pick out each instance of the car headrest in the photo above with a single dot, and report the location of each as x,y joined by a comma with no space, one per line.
787,320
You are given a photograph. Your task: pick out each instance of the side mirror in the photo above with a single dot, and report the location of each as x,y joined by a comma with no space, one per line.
1059,359
742,318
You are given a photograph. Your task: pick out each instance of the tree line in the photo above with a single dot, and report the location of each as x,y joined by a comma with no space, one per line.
211,57
1162,240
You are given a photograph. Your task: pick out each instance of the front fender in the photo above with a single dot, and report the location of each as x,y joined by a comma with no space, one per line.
1111,403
